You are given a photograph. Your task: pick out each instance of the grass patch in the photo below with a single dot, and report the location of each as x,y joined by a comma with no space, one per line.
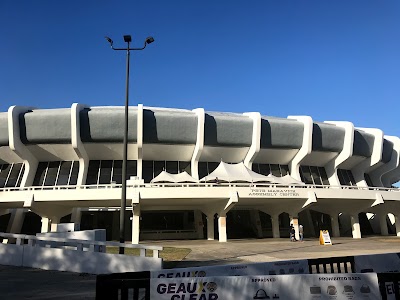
171,254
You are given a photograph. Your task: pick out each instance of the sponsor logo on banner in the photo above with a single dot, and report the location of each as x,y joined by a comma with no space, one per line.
197,290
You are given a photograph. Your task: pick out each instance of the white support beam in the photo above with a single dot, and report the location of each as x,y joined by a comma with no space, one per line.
347,151
392,169
139,140
200,113
255,139
368,164
306,147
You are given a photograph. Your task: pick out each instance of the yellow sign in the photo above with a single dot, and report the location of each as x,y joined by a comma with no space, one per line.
324,238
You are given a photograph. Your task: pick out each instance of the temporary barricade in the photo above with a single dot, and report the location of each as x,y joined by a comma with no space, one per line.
143,285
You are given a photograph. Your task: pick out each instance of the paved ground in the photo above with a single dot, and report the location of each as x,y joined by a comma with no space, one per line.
24,283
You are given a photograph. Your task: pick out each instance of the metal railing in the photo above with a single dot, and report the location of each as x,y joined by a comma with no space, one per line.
197,184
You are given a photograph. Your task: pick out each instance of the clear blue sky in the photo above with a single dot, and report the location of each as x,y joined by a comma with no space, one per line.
331,60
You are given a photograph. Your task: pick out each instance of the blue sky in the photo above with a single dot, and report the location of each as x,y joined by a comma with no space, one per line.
331,60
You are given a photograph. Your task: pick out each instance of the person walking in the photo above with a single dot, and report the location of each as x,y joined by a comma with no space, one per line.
292,233
301,234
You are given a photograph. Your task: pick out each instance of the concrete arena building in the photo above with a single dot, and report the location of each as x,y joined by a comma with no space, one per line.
64,165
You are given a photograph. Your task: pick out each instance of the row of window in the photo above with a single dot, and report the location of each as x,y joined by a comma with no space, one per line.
108,171
314,175
11,175
152,169
56,173
274,169
346,177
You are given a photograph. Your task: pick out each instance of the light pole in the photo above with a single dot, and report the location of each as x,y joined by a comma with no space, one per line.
128,40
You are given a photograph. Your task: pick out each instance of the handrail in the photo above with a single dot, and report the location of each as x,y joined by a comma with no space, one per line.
198,184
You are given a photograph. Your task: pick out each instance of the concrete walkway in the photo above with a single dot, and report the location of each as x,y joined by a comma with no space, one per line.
24,283
262,250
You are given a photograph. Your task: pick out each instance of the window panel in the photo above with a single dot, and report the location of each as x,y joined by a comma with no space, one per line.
346,178
212,166
368,179
63,175
284,170
351,177
52,172
342,179
315,175
324,176
93,172
255,168
184,166
40,174
306,174
13,176
4,171
159,166
172,167
105,171
131,166
275,170
21,175
264,169
147,171
73,180
202,169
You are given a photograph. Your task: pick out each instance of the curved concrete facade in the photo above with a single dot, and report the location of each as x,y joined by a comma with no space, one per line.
54,162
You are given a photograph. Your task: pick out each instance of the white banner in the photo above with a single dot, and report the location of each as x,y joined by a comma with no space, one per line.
284,287
270,268
378,263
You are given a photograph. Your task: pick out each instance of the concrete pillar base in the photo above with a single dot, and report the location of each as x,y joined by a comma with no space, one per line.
210,227
275,226
45,225
135,224
355,225
383,224
222,228
335,225
255,220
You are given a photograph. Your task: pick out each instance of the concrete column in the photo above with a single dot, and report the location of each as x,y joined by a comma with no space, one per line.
16,220
355,226
135,224
397,224
198,224
115,225
45,225
255,219
294,220
222,228
76,217
383,224
275,226
210,227
54,222
335,225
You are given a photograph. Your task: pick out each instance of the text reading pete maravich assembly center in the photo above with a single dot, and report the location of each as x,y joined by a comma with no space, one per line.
273,192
